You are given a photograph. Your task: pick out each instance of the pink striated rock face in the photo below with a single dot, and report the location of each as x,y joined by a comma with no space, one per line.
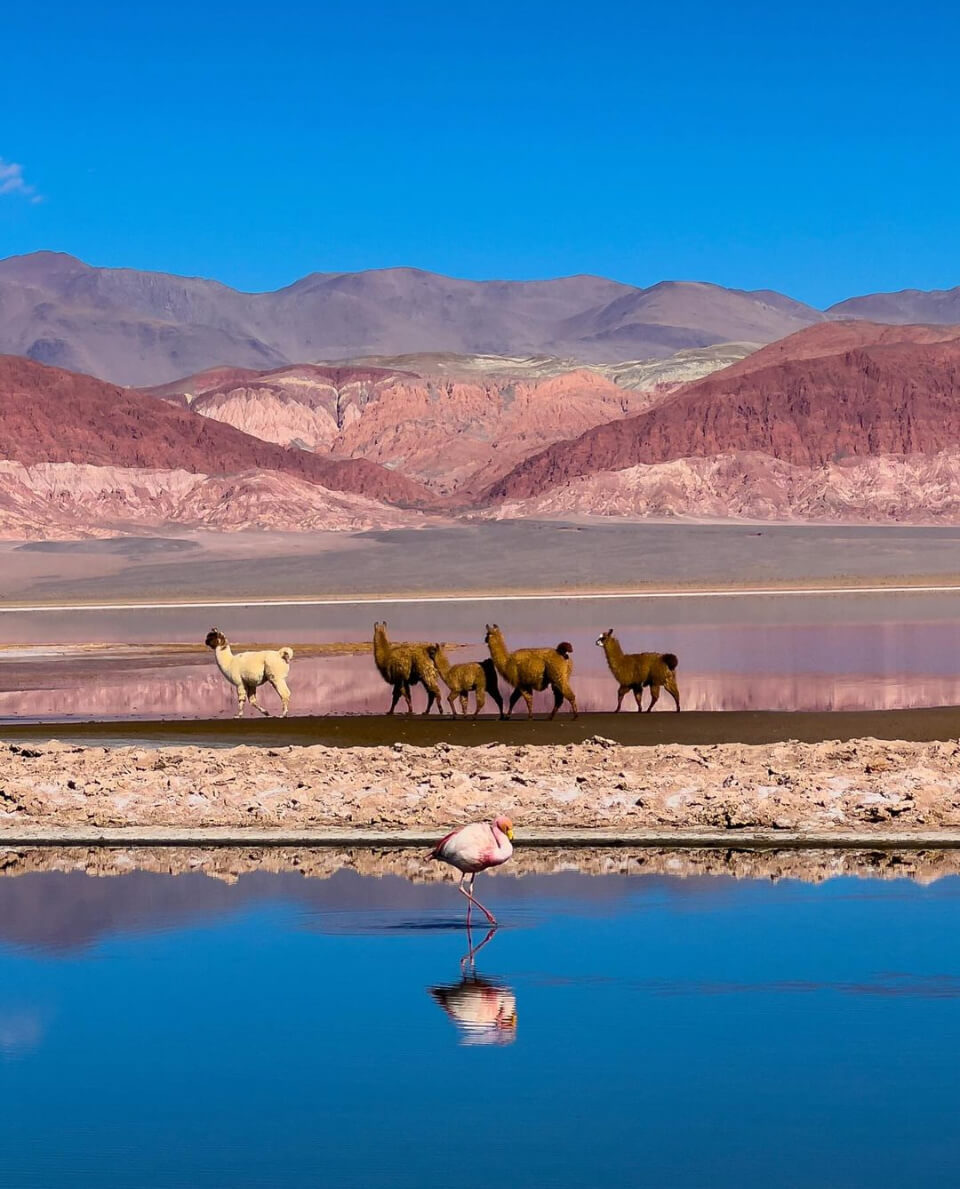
450,433
898,489
65,500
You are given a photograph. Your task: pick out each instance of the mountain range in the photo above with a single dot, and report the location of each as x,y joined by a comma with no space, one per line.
144,328
396,397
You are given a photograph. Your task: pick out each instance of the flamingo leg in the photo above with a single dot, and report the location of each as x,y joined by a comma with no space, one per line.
470,957
463,890
473,900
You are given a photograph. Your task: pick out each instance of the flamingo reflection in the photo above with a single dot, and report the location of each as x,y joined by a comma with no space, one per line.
484,1011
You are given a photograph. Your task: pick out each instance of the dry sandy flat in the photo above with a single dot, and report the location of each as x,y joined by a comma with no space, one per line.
863,783
473,557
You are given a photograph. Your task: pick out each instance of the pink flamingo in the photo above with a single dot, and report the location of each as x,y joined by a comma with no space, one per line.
475,848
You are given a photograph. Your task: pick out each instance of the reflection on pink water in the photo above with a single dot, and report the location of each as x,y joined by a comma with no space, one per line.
59,687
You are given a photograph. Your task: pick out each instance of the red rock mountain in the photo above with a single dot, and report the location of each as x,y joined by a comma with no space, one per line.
450,433
51,415
898,394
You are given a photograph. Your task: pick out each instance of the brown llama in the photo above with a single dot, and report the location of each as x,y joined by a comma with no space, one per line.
478,677
638,670
403,665
531,669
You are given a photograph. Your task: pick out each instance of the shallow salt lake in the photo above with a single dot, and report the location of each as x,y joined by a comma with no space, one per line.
812,652
275,1030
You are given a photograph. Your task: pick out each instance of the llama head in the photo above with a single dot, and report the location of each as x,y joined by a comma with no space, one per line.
215,639
604,637
491,629
564,648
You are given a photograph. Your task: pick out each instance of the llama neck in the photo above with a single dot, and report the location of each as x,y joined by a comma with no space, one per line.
498,651
614,654
442,661
225,658
381,647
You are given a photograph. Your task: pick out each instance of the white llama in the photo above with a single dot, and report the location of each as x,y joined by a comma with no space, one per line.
250,670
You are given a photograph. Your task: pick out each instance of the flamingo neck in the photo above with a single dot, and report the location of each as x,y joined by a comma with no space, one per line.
502,841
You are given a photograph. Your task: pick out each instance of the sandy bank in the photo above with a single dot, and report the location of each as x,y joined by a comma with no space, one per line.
858,784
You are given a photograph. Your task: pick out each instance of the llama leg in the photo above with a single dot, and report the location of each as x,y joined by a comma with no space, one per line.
528,698
283,691
654,694
514,699
481,697
252,695
452,699
241,700
557,701
407,698
638,694
621,694
674,693
433,695
572,699
494,692
397,691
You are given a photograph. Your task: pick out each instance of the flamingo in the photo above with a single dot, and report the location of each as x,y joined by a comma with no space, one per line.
476,848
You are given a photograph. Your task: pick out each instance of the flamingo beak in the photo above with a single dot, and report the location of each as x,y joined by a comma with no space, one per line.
510,834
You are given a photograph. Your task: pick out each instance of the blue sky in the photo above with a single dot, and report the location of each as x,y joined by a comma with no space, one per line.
809,148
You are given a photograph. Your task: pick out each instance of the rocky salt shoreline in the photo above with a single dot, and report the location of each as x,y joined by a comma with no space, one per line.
230,864
863,784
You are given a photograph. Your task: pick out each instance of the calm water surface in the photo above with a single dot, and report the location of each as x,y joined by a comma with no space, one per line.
160,1031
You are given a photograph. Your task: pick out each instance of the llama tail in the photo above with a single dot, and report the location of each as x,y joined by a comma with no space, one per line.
670,661
286,654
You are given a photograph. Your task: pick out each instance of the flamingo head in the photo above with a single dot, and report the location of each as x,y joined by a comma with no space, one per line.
215,639
505,826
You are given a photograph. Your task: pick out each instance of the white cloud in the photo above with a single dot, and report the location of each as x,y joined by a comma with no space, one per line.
12,181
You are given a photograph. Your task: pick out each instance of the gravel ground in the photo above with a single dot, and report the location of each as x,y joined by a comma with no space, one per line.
862,783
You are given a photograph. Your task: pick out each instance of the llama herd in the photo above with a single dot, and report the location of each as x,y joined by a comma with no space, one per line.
403,665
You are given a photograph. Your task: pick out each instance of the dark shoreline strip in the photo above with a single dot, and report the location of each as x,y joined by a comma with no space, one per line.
693,727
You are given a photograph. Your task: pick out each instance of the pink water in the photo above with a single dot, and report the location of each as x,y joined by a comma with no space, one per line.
830,653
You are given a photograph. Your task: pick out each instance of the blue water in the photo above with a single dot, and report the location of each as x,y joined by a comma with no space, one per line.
161,1031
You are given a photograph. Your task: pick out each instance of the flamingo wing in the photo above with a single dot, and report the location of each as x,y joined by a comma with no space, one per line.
469,848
